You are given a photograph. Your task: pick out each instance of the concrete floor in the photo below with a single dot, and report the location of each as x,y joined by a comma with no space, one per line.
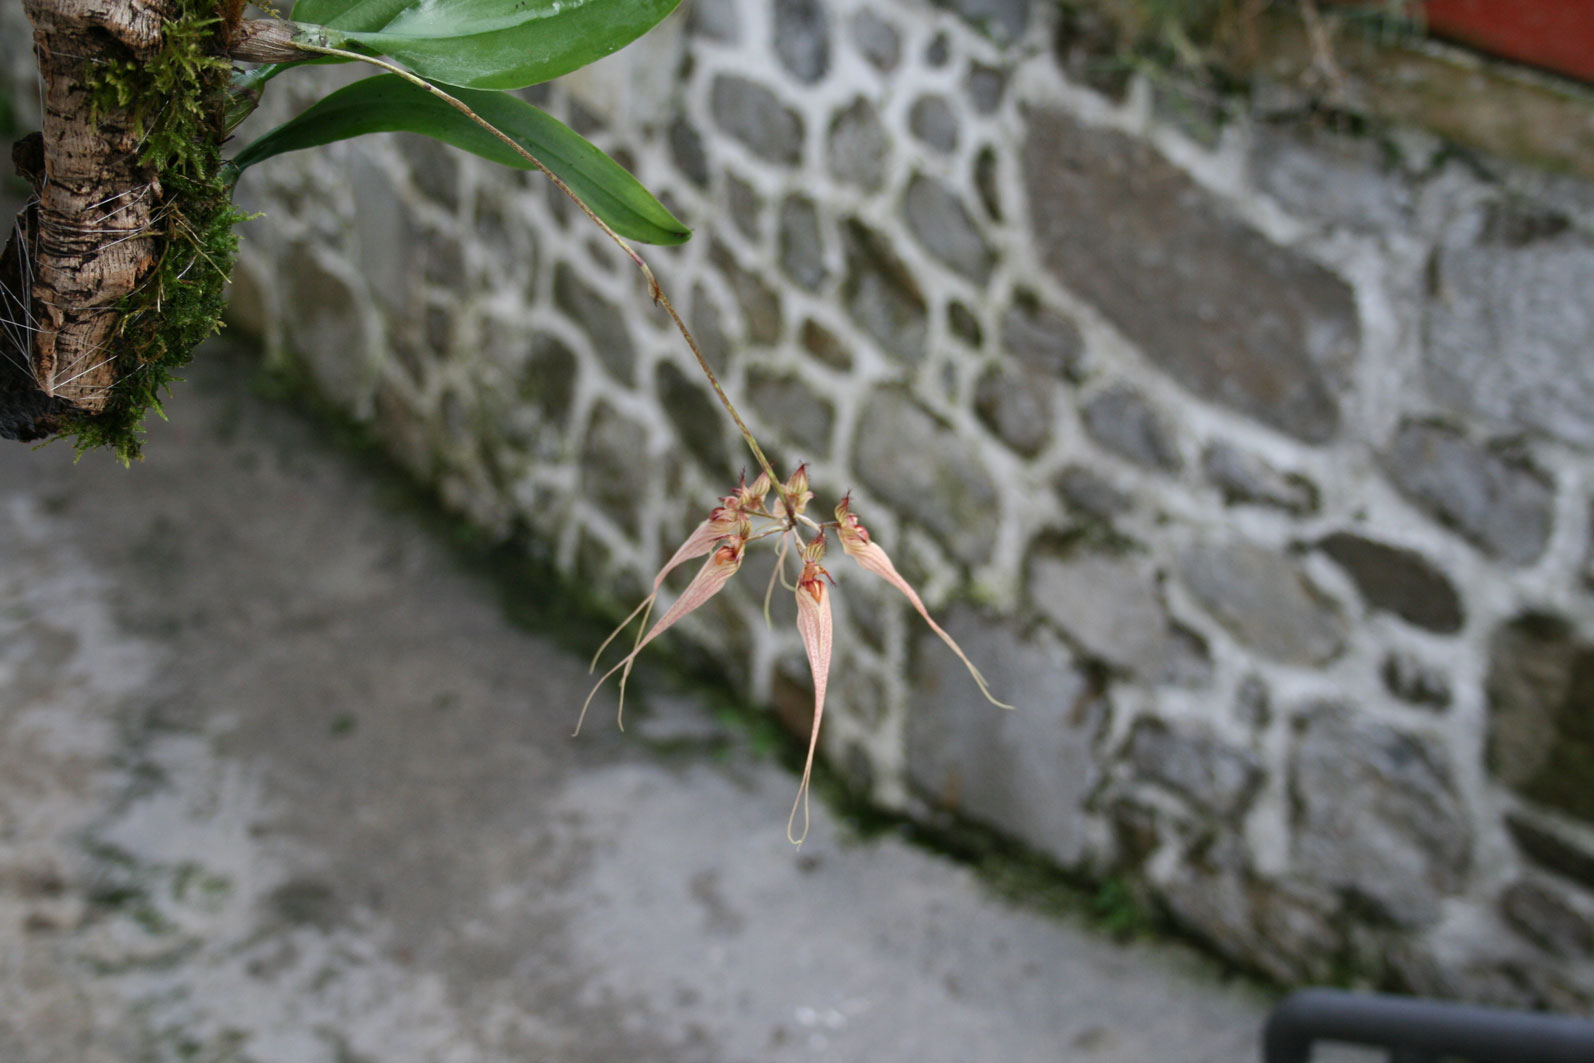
279,783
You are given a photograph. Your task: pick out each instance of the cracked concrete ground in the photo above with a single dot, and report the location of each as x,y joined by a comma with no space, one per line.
279,783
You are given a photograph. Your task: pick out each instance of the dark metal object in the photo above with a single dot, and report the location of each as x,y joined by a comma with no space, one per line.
1421,1031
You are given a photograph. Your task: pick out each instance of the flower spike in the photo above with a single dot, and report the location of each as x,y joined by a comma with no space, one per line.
855,542
814,625
707,583
725,536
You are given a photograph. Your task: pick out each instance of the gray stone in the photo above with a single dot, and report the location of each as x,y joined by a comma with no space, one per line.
698,420
1398,581
1246,477
1343,179
1092,494
857,146
962,323
1124,421
1108,604
1541,713
1041,338
586,122
1415,681
1217,778
881,294
1289,936
1013,407
509,246
752,114
1027,772
600,319
686,148
1001,20
614,472
985,86
541,95
744,205
1137,830
434,169
330,340
1186,660
547,383
1253,703
1375,815
1549,846
438,329
802,39
1495,500
932,120
877,40
1543,916
802,247
1510,327
1264,599
985,183
760,305
248,304
792,406
708,325
825,345
914,463
1233,317
942,225
1588,550
715,19
443,260
385,234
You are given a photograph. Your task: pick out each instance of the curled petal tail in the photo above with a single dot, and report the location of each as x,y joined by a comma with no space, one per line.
814,625
723,522
855,542
707,583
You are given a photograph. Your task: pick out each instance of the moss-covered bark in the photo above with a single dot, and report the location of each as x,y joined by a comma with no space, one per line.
117,267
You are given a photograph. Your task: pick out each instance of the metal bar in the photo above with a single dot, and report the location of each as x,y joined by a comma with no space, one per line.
1419,1029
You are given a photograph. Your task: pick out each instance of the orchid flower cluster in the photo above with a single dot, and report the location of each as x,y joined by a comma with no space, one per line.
743,518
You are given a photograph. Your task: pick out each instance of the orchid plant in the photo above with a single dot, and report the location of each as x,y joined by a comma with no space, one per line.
747,516
447,68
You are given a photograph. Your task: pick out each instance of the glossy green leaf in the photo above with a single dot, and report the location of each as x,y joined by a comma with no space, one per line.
484,44
387,104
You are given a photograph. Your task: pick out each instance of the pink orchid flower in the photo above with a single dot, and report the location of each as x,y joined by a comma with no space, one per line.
727,532
813,625
856,544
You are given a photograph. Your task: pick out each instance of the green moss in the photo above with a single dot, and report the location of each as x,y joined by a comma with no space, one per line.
176,102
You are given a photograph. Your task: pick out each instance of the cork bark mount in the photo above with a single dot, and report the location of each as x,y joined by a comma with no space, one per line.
96,225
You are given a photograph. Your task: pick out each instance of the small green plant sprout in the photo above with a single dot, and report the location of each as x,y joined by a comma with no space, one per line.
741,519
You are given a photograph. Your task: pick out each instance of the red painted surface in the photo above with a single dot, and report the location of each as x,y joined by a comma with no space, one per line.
1555,35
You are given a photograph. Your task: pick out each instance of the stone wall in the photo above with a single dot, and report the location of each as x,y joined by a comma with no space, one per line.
1250,460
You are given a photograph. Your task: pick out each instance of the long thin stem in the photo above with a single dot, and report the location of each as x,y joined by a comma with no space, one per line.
655,290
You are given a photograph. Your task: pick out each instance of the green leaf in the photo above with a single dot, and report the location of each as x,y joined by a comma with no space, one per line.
388,104
484,44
